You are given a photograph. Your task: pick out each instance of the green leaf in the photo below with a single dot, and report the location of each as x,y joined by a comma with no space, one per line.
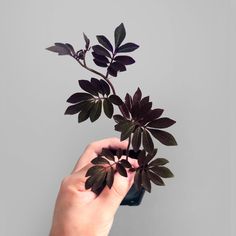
108,108
116,100
162,171
155,178
136,140
96,111
104,42
120,34
147,141
158,162
121,170
110,177
163,137
100,160
146,181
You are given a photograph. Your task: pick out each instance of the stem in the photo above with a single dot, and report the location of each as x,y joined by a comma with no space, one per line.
127,150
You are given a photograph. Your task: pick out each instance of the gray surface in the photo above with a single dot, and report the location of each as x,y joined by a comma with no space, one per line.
186,63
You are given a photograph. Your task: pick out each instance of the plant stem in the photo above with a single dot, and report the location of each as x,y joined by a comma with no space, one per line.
127,150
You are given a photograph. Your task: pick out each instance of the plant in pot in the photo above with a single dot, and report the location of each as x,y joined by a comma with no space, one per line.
136,120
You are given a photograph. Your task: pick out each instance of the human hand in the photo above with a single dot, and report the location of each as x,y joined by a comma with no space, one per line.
79,212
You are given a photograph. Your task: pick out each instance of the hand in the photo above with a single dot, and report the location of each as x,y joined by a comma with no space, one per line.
79,212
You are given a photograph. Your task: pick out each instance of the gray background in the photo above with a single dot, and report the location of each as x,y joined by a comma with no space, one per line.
185,63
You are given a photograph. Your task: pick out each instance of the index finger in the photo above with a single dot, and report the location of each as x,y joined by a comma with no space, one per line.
95,148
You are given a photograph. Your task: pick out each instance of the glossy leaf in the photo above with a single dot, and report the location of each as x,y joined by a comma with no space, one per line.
105,87
163,137
128,47
163,122
121,170
147,141
108,108
93,170
78,97
162,171
108,154
96,111
146,181
155,178
119,35
99,180
88,87
125,60
158,161
110,177
87,41
136,140
100,50
105,42
100,160
115,100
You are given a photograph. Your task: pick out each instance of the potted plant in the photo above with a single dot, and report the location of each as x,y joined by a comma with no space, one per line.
136,121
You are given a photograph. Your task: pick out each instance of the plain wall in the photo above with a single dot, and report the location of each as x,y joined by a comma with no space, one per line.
186,63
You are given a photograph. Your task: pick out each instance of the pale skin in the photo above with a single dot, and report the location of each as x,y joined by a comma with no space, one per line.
79,212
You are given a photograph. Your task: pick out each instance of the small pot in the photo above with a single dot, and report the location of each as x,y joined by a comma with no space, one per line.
133,197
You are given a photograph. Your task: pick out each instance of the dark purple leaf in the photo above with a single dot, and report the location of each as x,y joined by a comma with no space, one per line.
105,42
100,160
99,63
87,41
119,153
108,108
147,141
163,137
117,66
100,58
125,111
146,181
138,179
119,35
128,101
137,96
105,87
60,48
152,115
97,85
125,163
111,71
155,178
144,101
164,122
125,60
74,109
121,170
100,50
85,113
125,133
158,161
110,177
94,170
118,118
71,49
96,111
79,97
162,171
128,47
100,178
116,100
136,140
108,154
141,157
88,87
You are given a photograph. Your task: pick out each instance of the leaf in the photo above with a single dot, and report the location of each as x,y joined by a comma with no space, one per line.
141,157
136,140
97,85
115,100
121,170
60,48
100,160
162,171
128,101
152,115
137,96
99,180
71,49
110,177
99,63
119,35
108,154
119,153
74,109
78,97
163,137
111,71
147,141
125,60
100,50
96,111
155,178
105,87
104,42
138,179
84,114
125,111
100,58
158,161
125,163
164,122
146,181
127,131
88,87
87,41
108,108
118,118
128,47
117,66
93,170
